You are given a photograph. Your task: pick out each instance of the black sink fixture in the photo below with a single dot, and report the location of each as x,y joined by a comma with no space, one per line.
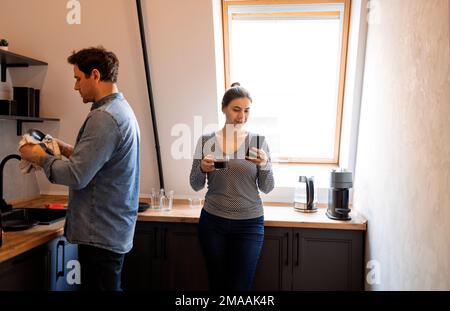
24,218
4,207
15,221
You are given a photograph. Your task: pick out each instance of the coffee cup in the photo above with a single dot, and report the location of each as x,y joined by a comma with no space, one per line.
221,164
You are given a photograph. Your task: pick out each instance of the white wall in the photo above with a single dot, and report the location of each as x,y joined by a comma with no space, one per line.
403,163
16,185
182,52
180,37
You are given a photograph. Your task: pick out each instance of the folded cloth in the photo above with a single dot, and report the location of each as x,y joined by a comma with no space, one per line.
48,144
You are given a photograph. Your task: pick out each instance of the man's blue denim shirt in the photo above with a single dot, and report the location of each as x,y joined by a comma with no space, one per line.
103,177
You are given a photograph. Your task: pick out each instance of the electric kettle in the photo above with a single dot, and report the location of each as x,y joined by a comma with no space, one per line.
305,200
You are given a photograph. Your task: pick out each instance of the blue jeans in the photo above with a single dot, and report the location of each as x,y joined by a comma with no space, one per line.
231,249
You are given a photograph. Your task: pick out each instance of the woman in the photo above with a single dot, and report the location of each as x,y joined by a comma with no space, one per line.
231,226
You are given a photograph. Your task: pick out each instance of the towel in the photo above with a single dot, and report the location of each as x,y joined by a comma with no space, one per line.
48,143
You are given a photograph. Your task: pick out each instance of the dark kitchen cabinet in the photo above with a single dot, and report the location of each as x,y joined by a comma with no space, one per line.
27,271
327,259
165,256
184,265
142,265
310,259
41,268
275,264
168,256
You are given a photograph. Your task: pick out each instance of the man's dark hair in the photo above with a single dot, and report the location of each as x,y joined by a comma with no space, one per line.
96,58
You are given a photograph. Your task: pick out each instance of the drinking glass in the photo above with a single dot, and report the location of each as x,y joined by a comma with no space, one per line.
195,202
155,199
167,201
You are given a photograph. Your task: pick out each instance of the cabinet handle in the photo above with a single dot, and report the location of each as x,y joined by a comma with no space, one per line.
297,237
155,244
161,244
165,243
287,248
48,269
60,273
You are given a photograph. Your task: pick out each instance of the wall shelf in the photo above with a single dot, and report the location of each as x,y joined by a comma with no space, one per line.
20,120
11,60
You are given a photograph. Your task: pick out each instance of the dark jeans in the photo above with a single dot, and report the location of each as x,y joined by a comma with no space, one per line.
100,269
231,249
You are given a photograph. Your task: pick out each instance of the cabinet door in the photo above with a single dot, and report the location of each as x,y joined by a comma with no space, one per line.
142,265
184,265
25,272
274,270
60,252
327,259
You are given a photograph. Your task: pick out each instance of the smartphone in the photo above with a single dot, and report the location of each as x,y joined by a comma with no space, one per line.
251,154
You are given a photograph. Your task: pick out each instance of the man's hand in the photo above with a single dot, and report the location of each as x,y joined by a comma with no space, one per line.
65,148
32,153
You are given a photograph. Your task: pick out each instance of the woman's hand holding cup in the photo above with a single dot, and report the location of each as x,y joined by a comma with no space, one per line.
207,164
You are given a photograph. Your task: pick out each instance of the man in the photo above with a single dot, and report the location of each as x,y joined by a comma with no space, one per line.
102,172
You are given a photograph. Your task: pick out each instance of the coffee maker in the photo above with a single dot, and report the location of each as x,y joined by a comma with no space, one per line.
338,195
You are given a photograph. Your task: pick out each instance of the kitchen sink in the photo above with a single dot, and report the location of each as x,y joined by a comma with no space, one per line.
24,218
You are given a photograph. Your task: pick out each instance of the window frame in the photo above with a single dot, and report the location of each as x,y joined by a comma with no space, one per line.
342,68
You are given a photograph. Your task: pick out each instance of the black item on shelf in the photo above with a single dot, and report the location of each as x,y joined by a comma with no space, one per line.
13,107
25,101
37,96
8,107
4,107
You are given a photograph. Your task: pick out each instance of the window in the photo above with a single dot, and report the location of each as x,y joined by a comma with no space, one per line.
291,56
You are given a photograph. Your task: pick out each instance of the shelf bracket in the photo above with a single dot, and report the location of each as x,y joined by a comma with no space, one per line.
19,125
6,66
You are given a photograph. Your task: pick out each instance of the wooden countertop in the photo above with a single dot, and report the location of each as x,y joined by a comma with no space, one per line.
274,216
18,242
15,243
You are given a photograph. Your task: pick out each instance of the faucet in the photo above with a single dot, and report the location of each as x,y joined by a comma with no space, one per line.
4,207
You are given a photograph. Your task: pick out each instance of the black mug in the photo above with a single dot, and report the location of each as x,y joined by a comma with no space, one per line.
221,164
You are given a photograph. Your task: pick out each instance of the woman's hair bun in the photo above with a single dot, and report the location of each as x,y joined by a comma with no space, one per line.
235,91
